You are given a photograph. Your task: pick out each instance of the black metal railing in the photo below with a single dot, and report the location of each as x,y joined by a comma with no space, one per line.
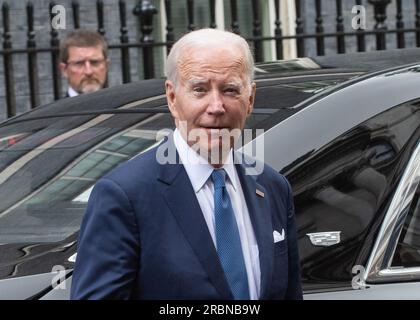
145,11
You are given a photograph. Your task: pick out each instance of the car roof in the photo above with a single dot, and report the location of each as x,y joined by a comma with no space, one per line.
339,109
293,87
370,61
285,85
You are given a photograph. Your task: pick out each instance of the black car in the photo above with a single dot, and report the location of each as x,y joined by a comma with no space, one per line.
345,137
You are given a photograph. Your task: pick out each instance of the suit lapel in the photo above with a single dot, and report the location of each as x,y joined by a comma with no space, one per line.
184,205
259,211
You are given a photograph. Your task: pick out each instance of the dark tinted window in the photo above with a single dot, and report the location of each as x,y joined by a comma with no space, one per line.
49,166
342,189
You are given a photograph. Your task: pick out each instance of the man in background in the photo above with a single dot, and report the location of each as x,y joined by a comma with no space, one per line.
84,61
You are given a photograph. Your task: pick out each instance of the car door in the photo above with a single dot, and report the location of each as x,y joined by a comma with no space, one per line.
393,268
344,155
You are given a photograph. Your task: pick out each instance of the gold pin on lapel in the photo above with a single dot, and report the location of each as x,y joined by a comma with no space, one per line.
260,193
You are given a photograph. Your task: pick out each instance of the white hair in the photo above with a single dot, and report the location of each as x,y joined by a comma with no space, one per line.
206,37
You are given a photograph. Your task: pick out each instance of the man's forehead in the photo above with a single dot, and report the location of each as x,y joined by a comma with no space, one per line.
198,64
193,80
95,50
226,56
202,70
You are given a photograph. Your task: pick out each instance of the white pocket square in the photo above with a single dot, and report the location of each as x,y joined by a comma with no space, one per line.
278,236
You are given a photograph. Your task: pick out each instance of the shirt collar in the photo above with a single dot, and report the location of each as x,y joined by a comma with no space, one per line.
72,92
198,168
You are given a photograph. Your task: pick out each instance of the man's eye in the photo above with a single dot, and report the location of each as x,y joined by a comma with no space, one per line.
95,63
232,90
79,63
199,89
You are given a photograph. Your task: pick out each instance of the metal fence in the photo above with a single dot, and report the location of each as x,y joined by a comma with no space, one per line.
145,11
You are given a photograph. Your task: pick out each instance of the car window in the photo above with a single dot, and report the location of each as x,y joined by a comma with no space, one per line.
47,176
340,191
48,170
407,253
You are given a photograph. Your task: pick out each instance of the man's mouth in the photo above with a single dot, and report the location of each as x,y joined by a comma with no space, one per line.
90,80
215,128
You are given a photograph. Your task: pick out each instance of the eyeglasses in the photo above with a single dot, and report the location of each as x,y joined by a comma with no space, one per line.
80,64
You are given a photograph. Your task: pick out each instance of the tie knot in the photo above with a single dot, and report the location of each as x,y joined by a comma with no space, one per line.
218,177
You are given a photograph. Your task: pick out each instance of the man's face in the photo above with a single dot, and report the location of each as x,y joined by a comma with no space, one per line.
212,93
86,69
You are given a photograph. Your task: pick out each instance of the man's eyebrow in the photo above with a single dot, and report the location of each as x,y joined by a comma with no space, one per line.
233,84
197,82
194,82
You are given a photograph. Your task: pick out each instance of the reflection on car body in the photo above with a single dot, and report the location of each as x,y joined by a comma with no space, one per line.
347,141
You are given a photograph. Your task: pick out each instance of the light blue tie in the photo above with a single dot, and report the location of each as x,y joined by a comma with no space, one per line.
228,240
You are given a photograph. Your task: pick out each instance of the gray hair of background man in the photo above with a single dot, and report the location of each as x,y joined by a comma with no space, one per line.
82,38
205,38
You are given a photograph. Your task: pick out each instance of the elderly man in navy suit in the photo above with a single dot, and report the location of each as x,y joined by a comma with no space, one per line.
200,227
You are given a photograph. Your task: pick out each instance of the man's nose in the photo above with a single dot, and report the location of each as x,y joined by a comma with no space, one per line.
216,103
87,67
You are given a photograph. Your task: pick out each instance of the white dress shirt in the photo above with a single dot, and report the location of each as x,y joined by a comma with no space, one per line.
199,172
71,92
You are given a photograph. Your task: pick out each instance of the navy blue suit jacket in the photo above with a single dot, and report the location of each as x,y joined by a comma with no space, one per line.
144,237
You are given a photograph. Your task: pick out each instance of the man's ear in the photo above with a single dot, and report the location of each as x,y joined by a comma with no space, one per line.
171,98
251,98
63,69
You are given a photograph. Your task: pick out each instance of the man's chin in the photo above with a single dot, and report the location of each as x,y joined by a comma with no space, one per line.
213,151
90,85
89,89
